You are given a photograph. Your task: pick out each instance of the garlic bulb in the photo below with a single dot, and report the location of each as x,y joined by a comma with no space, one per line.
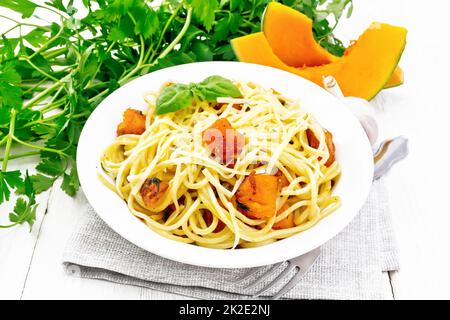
359,107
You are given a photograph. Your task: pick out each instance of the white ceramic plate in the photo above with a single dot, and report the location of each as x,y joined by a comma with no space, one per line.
352,151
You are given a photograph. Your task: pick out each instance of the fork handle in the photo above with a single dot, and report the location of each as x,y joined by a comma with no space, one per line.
389,153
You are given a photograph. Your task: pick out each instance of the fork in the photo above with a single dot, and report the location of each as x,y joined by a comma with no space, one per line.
388,153
301,264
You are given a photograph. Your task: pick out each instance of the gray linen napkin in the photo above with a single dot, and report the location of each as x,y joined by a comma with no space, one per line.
350,266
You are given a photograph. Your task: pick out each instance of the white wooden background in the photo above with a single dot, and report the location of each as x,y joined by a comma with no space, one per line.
30,263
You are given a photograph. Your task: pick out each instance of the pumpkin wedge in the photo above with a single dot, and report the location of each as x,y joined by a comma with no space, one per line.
397,77
362,73
290,35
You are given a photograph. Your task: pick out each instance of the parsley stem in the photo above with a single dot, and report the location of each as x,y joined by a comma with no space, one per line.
59,13
166,26
9,30
179,36
44,93
25,23
150,50
138,66
94,76
80,115
47,43
33,146
12,124
22,155
53,53
37,86
148,65
27,59
44,120
51,105
97,85
99,95
250,23
9,226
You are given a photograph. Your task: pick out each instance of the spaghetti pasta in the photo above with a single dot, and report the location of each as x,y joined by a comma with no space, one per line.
277,183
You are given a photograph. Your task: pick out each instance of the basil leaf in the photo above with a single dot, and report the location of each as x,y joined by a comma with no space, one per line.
214,87
174,98
180,96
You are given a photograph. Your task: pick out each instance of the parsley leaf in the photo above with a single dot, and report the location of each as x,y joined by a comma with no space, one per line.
54,167
36,37
9,180
10,93
203,10
70,183
147,22
25,7
38,184
24,212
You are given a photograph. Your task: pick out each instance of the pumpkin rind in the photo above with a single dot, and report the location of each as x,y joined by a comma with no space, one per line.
362,73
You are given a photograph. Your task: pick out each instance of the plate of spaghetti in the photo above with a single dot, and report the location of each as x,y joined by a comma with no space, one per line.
224,164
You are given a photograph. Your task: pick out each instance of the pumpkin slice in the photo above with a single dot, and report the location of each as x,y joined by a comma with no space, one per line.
290,35
396,78
362,73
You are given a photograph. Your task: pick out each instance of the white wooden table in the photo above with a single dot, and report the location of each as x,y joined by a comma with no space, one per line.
30,263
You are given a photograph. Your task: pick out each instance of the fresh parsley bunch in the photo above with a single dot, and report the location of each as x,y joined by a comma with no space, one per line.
53,75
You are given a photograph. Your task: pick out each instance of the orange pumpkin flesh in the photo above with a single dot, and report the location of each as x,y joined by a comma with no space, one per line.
290,35
396,78
256,196
362,73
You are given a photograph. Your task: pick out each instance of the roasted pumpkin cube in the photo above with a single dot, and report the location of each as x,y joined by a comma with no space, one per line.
314,143
152,191
256,196
133,123
224,141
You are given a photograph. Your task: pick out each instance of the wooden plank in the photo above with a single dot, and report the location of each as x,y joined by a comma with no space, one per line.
17,244
16,251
